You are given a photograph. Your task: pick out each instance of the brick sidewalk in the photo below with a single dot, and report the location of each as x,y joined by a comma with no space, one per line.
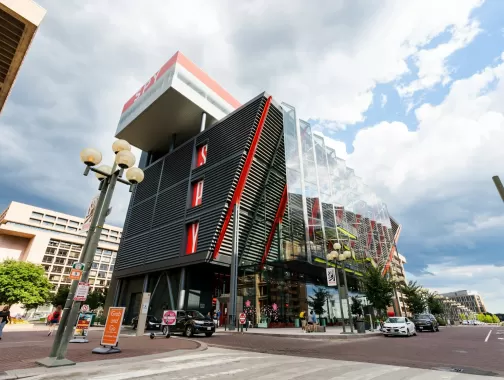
20,349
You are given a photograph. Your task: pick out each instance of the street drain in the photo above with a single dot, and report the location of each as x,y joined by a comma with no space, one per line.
468,371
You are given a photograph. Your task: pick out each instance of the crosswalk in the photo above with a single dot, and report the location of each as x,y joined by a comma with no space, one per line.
216,363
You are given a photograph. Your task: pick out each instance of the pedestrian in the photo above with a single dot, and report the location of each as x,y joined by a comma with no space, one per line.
312,321
4,319
302,317
54,319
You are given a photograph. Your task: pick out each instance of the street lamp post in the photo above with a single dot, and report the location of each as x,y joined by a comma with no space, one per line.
108,177
336,256
498,185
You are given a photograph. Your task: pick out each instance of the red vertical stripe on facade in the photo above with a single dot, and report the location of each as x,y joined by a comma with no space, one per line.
392,251
278,219
243,178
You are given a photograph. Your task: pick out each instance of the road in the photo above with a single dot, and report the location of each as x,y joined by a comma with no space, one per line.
463,348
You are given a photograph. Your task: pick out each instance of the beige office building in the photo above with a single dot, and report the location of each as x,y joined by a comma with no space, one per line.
55,240
470,299
19,21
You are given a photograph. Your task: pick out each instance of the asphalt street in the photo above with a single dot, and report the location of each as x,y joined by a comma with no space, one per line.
465,349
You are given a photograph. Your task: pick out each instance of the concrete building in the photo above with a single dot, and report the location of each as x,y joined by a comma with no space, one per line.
19,21
55,240
470,299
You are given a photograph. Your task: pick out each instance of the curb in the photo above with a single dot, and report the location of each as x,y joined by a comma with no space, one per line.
315,336
62,371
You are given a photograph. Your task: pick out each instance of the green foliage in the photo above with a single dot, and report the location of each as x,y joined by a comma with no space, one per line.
434,304
318,300
496,319
356,306
61,296
481,317
488,319
23,282
441,321
415,298
379,290
463,317
96,299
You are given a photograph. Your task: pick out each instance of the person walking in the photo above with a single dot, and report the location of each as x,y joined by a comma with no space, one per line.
302,317
54,319
4,319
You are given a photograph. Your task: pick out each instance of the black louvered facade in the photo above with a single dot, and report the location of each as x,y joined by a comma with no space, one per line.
155,231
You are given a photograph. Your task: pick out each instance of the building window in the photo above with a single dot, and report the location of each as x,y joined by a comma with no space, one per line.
60,226
59,260
103,267
50,218
94,265
37,215
201,155
53,243
105,259
73,223
197,193
48,224
61,220
47,259
34,221
192,237
107,252
72,229
50,251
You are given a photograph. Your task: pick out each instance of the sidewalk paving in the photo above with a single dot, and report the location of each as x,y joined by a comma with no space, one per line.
20,349
333,332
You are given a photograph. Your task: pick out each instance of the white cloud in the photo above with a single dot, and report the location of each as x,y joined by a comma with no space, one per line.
383,100
487,280
431,63
84,64
454,152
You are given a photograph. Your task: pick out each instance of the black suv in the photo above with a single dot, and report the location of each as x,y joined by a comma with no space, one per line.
425,322
151,323
191,322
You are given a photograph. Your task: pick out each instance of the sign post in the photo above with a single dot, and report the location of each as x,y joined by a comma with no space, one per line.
110,337
142,316
169,319
82,328
243,320
76,272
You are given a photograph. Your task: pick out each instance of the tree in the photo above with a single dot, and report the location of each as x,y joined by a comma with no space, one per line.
318,300
463,317
488,319
356,306
379,290
414,297
434,304
481,317
496,319
61,296
23,282
96,299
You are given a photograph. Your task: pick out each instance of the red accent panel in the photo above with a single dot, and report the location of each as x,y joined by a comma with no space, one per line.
192,238
392,251
201,155
243,178
197,193
278,219
314,215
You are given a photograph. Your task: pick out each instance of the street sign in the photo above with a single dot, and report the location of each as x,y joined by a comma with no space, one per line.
242,318
75,274
89,215
85,308
145,303
82,291
169,317
331,276
81,329
78,266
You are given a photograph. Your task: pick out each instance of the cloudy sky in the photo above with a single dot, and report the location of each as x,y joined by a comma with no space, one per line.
411,92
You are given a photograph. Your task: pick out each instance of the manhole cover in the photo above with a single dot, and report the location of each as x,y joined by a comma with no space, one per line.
468,371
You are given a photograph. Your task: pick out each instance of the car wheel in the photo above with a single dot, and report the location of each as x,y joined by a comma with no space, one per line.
386,335
437,328
164,330
414,333
209,334
188,332
409,333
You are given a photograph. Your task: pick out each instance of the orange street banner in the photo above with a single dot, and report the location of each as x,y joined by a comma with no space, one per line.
113,326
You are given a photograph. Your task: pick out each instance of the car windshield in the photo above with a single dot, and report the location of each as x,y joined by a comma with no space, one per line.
395,320
422,316
195,314
152,319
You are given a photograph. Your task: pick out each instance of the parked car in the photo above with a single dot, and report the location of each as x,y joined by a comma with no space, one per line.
151,323
398,326
191,322
426,322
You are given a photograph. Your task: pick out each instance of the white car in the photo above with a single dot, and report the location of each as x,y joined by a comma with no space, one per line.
398,326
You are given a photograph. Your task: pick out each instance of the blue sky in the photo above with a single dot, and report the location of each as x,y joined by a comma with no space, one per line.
410,93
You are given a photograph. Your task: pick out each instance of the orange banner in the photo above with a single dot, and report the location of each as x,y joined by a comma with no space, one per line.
113,326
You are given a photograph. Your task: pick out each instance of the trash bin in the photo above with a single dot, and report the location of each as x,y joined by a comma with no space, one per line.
323,322
361,327
296,323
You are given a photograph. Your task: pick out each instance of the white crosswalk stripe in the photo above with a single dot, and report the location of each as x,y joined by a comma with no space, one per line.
217,363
